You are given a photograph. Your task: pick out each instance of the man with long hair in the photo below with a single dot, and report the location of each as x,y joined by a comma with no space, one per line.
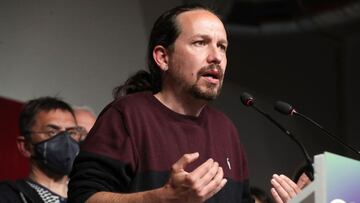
159,140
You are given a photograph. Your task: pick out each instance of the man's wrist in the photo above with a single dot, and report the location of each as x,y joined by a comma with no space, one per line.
164,194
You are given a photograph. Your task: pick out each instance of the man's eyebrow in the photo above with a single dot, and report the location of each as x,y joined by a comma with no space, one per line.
200,36
73,128
205,36
56,127
223,41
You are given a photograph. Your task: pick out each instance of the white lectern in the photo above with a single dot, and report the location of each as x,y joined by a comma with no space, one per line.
336,180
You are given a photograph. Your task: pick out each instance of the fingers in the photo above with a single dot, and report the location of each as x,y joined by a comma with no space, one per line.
207,179
200,184
203,174
276,196
214,185
219,187
288,184
303,181
285,188
184,161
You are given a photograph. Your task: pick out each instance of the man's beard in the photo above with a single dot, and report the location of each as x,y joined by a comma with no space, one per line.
209,94
203,90
211,91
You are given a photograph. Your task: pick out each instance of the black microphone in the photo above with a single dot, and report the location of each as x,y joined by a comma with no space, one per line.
287,109
249,101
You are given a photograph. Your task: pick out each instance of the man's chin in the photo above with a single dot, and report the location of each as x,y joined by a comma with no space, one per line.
207,95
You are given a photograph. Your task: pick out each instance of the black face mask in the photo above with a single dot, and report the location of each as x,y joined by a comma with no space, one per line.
58,153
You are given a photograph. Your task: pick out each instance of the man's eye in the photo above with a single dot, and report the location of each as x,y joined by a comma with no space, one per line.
72,132
199,43
223,47
53,132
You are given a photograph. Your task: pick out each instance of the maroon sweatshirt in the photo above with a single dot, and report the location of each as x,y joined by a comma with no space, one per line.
137,139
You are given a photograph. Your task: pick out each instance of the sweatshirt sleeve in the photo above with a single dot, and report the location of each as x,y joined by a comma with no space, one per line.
106,161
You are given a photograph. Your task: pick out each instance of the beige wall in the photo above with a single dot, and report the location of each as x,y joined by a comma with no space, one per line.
77,50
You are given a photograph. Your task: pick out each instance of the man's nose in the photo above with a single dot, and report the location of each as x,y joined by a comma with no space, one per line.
216,55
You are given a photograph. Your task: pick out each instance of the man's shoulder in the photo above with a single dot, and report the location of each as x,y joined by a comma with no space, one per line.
9,191
135,103
126,105
132,100
7,185
18,191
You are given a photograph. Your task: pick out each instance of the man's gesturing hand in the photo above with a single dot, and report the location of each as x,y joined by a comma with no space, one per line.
284,189
198,185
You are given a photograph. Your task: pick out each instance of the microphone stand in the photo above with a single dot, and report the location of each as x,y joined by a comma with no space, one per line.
248,100
310,172
327,132
287,109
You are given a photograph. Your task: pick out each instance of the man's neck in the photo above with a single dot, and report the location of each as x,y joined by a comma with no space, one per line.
57,185
185,105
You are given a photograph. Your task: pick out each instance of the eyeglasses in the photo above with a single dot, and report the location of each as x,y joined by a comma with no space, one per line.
76,132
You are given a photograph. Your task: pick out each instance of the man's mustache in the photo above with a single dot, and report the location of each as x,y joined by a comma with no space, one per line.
211,67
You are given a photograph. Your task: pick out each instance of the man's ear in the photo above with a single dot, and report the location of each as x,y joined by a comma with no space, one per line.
161,57
23,146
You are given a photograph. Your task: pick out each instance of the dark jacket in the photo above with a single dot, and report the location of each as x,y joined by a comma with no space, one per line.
18,192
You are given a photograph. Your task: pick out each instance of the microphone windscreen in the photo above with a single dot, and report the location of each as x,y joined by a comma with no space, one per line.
283,108
247,99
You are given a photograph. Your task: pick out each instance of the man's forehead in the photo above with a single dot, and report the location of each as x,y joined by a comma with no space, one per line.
55,116
197,12
192,21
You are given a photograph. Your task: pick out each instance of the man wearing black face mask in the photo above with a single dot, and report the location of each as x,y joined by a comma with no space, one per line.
50,137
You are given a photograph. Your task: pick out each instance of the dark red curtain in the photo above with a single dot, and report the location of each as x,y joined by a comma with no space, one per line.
12,164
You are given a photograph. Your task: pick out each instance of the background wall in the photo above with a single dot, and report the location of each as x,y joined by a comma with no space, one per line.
77,50
303,70
80,50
